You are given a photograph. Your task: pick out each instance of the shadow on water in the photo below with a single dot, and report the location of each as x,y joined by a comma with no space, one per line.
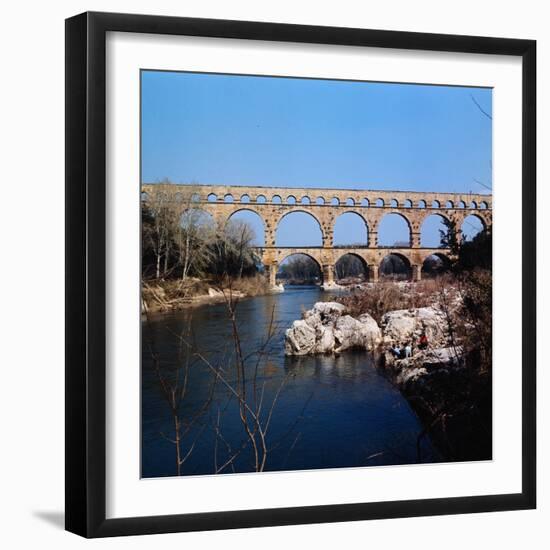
332,411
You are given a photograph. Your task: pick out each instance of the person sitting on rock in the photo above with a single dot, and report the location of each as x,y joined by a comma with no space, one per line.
396,352
408,350
423,341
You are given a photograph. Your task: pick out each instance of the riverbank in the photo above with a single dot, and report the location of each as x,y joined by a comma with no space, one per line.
174,295
159,295
446,381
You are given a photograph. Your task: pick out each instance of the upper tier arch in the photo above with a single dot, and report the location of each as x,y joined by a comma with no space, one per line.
272,205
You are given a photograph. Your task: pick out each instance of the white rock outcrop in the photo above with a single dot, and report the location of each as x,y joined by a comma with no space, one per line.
300,339
352,333
328,308
405,325
416,370
327,329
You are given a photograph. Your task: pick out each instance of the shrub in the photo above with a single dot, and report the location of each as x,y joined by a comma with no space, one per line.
379,298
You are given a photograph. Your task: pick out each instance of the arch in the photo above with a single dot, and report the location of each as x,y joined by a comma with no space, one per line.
255,223
461,204
394,203
260,199
299,268
298,228
471,226
430,230
291,199
351,267
245,198
276,199
395,266
436,204
483,205
335,201
228,198
422,203
305,200
320,201
212,197
379,202
350,202
350,229
434,265
365,202
394,230
408,203
473,205
449,204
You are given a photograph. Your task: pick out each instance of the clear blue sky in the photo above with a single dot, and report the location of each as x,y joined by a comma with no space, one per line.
245,130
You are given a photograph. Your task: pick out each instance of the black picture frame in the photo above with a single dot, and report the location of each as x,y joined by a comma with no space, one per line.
86,275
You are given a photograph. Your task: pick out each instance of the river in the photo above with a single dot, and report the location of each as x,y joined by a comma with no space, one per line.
329,412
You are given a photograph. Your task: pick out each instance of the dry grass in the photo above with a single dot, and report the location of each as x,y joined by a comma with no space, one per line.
167,295
171,294
466,300
379,298
250,286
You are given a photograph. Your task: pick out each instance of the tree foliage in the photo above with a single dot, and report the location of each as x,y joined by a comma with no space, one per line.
472,264
468,254
350,266
191,244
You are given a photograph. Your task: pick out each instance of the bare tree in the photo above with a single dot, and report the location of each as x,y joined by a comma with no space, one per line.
240,238
195,235
158,233
174,385
254,409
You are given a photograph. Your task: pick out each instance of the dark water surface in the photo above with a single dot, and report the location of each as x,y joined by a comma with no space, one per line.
331,412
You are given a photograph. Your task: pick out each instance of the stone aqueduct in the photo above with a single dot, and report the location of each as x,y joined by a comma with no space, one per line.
272,204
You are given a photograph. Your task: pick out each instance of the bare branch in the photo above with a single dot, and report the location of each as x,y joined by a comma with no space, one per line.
483,184
481,108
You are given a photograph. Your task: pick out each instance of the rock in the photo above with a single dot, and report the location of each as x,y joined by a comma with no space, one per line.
325,313
328,308
326,329
299,339
442,357
324,339
410,375
212,292
370,322
423,363
406,325
353,333
312,318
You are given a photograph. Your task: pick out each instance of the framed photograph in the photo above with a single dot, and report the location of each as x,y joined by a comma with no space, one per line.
300,274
